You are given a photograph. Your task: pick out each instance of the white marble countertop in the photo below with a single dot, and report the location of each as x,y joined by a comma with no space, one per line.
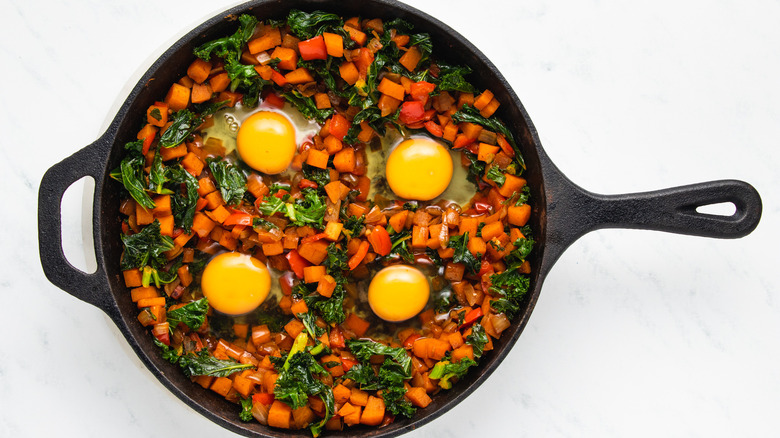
636,333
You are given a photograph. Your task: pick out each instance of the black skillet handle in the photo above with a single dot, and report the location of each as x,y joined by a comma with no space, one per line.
86,287
573,211
674,210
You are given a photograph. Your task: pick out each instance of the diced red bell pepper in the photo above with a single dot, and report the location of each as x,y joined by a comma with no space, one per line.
336,338
421,91
162,333
307,183
409,341
297,262
433,128
358,257
472,317
347,363
485,268
313,48
380,240
313,238
278,78
286,282
411,112
238,218
274,100
263,398
339,126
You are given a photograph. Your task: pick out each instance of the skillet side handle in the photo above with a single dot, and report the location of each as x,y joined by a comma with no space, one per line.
91,288
674,210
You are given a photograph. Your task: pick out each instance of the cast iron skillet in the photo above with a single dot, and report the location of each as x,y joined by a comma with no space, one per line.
562,211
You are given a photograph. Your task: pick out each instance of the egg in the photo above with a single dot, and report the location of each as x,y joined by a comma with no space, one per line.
266,142
235,283
398,292
419,169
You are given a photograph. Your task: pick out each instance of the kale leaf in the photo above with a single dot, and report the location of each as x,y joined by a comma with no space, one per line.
307,211
477,339
395,370
400,246
204,364
131,174
330,309
476,168
496,175
445,370
246,410
307,107
191,314
462,253
363,349
353,225
230,46
184,123
451,78
183,204
145,248
308,25
297,381
317,175
511,286
470,114
231,181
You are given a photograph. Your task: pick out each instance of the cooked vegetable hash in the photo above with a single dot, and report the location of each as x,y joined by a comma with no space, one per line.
291,225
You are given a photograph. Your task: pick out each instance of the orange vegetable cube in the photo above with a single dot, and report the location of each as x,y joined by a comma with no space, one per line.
333,230
322,100
487,152
356,324
334,44
219,82
511,185
326,286
317,158
192,164
299,76
270,39
374,412
222,386
279,415
490,108
483,99
344,160
157,114
174,152
390,88
519,215
132,277
349,72
288,59
313,274
199,70
411,58
178,97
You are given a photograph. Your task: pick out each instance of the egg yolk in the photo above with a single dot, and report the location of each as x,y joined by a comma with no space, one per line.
398,292
266,142
235,283
419,169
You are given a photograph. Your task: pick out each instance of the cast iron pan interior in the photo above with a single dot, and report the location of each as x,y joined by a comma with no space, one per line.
562,211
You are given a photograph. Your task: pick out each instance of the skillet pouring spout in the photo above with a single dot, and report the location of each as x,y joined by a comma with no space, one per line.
573,211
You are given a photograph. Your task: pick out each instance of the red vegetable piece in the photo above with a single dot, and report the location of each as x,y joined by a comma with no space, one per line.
313,48
358,257
380,240
472,317
297,263
238,218
411,112
339,126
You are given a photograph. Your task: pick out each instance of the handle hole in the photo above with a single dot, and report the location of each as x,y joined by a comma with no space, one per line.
76,216
720,209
